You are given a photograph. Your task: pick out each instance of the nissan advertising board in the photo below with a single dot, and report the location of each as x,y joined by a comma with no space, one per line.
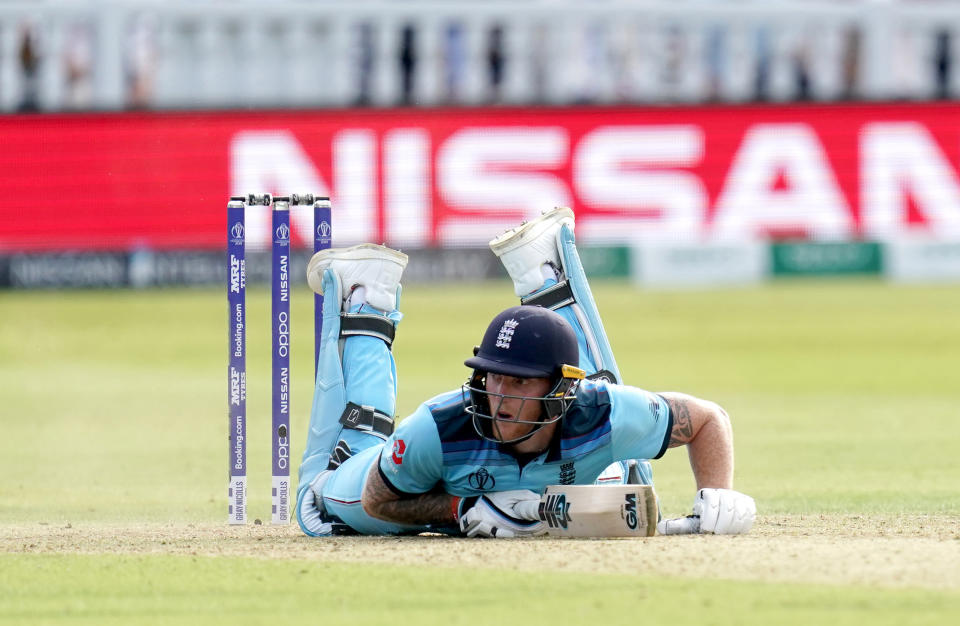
438,178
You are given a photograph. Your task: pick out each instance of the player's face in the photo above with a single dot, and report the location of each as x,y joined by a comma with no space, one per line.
515,416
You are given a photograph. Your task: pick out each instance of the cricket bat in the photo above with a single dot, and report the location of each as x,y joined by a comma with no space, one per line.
599,510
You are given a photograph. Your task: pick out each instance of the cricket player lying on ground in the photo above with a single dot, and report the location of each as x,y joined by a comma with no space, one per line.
542,407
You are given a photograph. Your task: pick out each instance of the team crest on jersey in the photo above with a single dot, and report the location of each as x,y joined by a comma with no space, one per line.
505,336
482,480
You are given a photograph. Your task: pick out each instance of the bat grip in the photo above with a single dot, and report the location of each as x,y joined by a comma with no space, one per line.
689,525
528,509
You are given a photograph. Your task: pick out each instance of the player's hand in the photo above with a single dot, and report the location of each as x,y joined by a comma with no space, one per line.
717,511
501,514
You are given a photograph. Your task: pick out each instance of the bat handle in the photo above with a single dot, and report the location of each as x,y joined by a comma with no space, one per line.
689,525
528,509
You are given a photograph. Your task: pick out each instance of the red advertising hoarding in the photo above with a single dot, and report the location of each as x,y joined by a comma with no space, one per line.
418,178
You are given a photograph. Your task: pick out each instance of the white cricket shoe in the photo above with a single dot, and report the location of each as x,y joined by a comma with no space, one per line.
525,249
375,268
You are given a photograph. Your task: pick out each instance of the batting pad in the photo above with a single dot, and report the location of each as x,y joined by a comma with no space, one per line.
585,308
329,394
358,369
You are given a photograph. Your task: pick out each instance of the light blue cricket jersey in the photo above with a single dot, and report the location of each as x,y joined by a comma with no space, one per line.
438,446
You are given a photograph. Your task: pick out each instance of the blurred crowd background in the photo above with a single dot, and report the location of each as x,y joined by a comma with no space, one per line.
700,142
198,54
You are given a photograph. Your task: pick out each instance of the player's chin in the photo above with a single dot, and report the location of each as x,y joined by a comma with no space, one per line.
514,431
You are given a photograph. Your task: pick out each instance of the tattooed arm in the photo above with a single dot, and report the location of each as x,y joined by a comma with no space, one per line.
705,429
382,502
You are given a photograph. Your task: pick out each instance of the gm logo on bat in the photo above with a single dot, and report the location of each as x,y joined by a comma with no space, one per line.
629,510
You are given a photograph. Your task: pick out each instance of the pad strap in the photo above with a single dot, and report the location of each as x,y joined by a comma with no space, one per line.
604,375
553,297
365,324
366,418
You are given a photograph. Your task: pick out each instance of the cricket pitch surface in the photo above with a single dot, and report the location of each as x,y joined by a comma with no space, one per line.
909,551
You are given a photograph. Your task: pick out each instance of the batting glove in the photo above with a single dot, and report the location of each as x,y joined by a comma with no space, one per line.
717,511
501,514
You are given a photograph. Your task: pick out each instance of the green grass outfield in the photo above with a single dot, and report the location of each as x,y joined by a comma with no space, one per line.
843,395
161,589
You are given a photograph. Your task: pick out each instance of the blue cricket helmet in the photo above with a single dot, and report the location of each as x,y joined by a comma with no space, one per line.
527,342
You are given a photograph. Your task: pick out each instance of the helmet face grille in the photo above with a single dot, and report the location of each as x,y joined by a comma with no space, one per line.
483,406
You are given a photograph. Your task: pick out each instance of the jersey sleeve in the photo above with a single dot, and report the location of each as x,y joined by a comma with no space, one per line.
640,423
411,461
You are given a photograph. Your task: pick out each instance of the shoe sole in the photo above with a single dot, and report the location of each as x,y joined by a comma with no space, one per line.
515,237
359,252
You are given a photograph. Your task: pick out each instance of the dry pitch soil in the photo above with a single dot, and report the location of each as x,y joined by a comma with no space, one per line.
884,551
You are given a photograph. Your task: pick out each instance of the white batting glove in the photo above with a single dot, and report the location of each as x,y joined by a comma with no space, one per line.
717,511
501,514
